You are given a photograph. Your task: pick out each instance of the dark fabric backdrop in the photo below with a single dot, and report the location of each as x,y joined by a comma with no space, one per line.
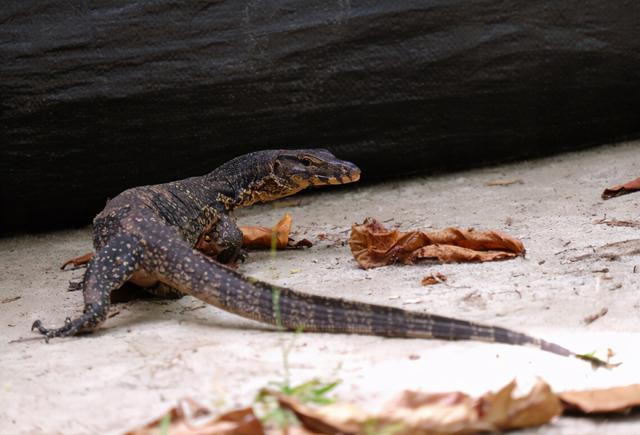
96,96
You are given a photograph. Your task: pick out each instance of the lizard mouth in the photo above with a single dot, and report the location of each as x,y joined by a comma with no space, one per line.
321,180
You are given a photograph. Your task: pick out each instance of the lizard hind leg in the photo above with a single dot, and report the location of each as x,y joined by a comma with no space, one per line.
112,266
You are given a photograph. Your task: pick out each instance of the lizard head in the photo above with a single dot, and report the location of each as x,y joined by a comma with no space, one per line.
298,169
267,175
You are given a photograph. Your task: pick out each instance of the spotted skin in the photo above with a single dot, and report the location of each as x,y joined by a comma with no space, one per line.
147,235
109,269
222,241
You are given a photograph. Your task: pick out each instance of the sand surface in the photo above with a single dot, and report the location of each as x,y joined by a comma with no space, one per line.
151,353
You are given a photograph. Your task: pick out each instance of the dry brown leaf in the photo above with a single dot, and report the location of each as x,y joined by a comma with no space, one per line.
373,245
337,418
433,413
621,189
455,412
434,278
538,407
616,399
192,418
428,413
260,237
78,261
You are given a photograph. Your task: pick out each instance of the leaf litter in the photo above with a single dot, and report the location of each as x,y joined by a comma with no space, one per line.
373,245
276,237
411,412
621,189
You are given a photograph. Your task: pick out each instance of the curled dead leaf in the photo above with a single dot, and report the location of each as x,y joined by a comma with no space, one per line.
621,189
80,261
614,400
336,418
433,413
261,237
455,412
536,408
192,418
426,413
373,245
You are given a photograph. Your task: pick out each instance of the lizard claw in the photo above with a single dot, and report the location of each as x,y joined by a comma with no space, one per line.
36,324
67,329
42,330
89,320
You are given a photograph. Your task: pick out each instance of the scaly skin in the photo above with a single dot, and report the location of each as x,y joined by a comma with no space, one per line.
147,234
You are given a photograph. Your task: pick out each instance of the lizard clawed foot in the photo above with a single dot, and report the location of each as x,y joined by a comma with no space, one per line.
243,256
71,327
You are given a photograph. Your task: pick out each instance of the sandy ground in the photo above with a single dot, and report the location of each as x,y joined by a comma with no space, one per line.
152,353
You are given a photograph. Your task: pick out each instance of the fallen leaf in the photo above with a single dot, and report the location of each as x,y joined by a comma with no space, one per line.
504,182
192,418
335,418
78,261
261,237
593,317
433,413
538,407
616,399
456,412
427,413
621,189
373,245
434,278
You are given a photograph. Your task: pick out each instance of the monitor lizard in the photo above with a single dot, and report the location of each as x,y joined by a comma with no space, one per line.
147,235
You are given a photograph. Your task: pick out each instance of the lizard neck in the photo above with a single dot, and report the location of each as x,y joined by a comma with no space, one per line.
240,182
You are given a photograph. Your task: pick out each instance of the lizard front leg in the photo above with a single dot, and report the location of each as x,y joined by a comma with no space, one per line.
222,241
111,267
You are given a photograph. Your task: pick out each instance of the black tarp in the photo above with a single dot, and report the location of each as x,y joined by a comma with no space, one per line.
100,96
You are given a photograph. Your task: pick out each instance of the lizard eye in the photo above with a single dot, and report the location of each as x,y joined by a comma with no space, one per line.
207,238
306,161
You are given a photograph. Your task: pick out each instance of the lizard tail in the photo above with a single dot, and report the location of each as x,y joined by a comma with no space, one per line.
199,276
